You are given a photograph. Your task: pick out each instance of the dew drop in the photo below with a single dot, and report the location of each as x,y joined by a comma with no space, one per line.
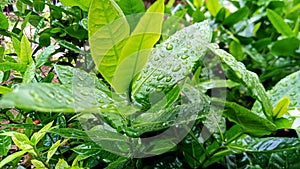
199,48
293,94
186,73
176,69
169,47
293,77
156,58
147,89
185,56
239,75
293,103
284,84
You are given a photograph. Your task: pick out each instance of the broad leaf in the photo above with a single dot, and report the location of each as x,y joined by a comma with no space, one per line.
131,6
171,61
87,150
135,52
108,27
266,152
247,78
279,24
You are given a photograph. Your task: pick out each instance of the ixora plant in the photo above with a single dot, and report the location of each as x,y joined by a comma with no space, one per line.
155,99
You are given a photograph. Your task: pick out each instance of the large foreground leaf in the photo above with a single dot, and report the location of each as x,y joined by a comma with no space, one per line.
171,61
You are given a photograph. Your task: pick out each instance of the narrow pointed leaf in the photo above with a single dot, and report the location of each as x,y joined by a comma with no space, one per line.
25,56
281,107
279,24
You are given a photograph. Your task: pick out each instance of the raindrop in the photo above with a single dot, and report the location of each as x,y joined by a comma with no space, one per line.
84,93
293,103
293,77
239,75
168,79
147,89
37,99
32,93
273,91
284,84
189,46
169,47
51,95
293,94
162,55
176,69
186,73
156,58
160,77
199,48
185,56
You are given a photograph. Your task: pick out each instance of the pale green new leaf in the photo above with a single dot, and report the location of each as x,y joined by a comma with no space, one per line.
61,164
135,52
213,7
281,107
53,149
29,73
4,90
25,56
38,164
20,140
37,136
11,157
108,27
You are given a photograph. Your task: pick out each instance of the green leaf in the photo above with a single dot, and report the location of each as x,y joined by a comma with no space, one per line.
271,152
236,16
53,149
83,4
281,107
29,73
236,49
42,58
38,164
108,27
17,45
279,24
5,144
20,140
37,136
40,97
2,52
71,47
3,22
132,6
71,133
121,162
171,61
247,78
11,157
286,47
250,122
213,7
5,66
25,56
135,52
4,90
86,150
39,5
62,164
286,87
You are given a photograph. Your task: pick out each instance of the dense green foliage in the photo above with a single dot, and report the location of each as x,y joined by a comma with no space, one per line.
191,84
